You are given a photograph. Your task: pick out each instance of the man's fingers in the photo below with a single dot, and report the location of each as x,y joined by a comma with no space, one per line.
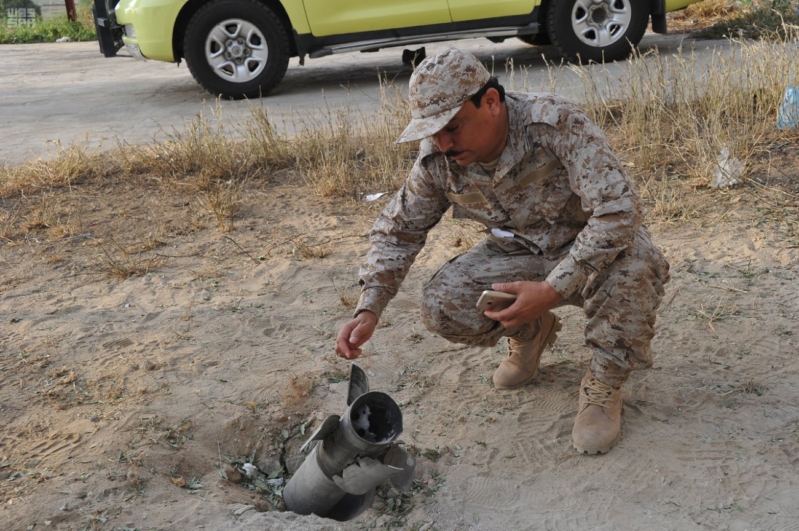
343,341
354,334
350,338
360,335
344,350
507,287
354,353
356,337
503,314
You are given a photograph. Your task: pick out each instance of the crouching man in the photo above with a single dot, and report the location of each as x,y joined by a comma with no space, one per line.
564,226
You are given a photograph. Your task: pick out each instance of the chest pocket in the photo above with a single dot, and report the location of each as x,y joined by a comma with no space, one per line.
463,203
467,199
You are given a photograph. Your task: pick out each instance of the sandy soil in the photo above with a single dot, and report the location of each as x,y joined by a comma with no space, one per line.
126,402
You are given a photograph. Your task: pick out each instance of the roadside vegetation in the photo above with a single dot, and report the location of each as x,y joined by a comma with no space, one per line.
81,29
668,124
752,19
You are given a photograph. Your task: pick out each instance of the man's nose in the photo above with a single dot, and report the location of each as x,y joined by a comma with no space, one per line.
443,140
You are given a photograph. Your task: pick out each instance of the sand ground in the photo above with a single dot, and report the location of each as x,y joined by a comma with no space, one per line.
128,402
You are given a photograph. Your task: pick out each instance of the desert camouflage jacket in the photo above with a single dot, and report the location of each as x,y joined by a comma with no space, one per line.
557,186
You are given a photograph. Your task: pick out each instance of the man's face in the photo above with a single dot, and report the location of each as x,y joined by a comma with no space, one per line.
475,134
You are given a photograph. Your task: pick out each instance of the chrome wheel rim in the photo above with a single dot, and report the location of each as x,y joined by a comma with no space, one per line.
600,23
236,50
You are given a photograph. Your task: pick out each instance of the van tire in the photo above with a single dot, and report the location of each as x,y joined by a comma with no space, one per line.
237,48
586,31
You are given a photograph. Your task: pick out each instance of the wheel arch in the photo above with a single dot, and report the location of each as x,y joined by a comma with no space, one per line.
543,9
192,6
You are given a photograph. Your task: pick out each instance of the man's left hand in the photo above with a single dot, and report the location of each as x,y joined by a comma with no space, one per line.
533,299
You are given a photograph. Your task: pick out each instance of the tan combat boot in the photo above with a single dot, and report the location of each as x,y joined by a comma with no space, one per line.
597,427
521,365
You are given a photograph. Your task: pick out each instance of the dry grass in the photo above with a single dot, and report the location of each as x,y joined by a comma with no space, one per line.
348,154
348,295
47,213
222,198
668,117
678,110
71,165
671,116
751,19
307,251
717,313
121,263
711,9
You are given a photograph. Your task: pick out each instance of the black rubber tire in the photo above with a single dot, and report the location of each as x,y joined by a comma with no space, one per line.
563,34
539,39
255,13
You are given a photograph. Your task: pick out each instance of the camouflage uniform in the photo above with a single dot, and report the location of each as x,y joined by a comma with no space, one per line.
576,223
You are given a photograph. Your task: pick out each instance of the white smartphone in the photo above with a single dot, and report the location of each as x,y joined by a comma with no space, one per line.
495,300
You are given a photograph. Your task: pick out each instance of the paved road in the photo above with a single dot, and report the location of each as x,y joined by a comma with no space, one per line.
70,93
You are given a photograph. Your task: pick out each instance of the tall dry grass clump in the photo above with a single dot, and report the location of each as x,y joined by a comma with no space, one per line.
70,166
682,110
348,153
205,150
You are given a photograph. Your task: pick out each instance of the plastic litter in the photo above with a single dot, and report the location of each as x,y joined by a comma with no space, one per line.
788,111
249,470
728,171
374,197
505,234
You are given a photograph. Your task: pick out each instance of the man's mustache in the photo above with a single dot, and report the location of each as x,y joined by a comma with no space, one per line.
452,153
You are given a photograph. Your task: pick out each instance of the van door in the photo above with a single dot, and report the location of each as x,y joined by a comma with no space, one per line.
463,10
337,17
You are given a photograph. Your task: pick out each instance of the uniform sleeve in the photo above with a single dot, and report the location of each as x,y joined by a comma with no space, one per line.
605,190
397,237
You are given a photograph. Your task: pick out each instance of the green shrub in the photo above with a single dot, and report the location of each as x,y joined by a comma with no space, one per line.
81,29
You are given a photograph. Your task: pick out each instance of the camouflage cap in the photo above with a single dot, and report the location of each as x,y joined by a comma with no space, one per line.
438,88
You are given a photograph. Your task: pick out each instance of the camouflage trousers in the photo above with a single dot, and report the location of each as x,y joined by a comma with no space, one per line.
620,304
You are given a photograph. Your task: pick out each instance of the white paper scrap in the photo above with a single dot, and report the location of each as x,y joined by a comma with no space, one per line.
499,233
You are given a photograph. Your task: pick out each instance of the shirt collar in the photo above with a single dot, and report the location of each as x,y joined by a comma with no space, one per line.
515,148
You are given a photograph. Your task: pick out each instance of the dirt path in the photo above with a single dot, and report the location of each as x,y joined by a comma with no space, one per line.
123,403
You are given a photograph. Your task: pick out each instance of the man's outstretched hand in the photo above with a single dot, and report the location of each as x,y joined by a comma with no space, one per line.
533,299
354,334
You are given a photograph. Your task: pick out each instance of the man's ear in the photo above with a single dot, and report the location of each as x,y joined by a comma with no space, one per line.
491,100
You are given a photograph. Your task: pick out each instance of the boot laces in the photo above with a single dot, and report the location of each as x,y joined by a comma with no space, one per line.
598,393
516,346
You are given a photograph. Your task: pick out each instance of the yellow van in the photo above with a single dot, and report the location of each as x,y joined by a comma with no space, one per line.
241,48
